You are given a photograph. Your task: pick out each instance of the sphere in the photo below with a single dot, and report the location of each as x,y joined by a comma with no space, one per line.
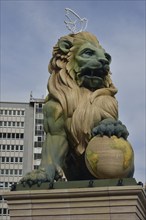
109,157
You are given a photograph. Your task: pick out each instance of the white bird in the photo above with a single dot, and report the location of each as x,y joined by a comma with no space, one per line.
74,23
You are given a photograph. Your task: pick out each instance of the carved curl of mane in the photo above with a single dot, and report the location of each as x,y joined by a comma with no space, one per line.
81,106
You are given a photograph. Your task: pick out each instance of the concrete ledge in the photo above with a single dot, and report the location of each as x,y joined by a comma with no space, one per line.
103,203
76,184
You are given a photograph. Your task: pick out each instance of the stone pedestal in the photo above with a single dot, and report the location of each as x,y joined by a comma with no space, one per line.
90,203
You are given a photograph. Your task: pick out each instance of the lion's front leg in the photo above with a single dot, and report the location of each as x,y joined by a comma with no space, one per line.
54,149
110,127
54,153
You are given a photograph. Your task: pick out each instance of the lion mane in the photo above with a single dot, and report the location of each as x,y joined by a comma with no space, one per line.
82,108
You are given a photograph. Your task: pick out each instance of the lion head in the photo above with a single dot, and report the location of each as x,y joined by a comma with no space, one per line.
87,62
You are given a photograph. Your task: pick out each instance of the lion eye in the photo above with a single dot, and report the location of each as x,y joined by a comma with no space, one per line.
87,53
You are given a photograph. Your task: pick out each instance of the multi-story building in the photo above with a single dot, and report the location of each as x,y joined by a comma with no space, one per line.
21,138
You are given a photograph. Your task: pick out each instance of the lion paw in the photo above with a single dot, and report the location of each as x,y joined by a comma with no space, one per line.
41,175
110,127
34,177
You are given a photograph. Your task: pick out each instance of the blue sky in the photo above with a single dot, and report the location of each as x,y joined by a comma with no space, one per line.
30,29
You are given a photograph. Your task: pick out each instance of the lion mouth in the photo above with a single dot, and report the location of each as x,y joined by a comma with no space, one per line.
93,78
95,73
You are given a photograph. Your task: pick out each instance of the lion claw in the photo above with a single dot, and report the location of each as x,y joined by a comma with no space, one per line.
110,127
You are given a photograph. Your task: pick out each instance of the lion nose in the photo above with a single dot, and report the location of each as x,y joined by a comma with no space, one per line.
104,61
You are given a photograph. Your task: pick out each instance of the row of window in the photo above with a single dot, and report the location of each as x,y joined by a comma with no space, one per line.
11,147
11,112
4,211
12,135
12,124
11,159
10,172
6,184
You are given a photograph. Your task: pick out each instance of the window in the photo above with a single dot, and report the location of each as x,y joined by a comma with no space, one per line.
39,138
4,135
39,108
6,184
1,123
14,123
20,172
8,135
21,147
37,156
12,147
8,147
16,159
22,124
22,112
39,132
17,136
5,112
39,121
2,171
21,136
4,211
20,159
1,112
10,112
18,123
38,144
3,159
5,123
4,147
14,112
12,160
13,135
36,167
1,184
11,172
18,112
17,147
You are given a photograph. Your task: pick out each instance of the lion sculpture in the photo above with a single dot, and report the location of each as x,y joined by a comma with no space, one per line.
81,104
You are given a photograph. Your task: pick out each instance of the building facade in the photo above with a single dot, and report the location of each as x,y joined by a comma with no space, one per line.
21,138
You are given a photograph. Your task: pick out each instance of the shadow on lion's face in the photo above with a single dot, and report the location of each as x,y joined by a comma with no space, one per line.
94,66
